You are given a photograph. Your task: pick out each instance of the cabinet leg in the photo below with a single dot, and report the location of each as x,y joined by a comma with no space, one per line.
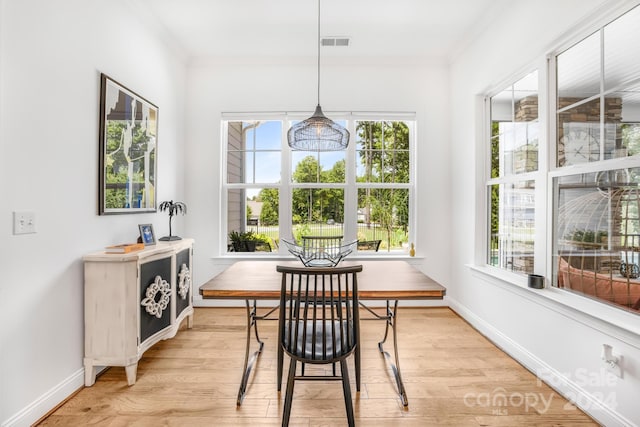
89,374
190,321
131,371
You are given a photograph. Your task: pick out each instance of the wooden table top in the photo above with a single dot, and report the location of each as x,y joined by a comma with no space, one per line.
379,280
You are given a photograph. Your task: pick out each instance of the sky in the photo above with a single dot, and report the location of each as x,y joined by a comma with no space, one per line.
268,136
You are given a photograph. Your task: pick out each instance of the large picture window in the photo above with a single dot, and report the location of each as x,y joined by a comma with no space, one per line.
596,210
362,193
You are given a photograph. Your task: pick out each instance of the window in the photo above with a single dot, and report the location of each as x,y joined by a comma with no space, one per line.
382,181
595,187
253,154
597,251
362,193
318,182
514,140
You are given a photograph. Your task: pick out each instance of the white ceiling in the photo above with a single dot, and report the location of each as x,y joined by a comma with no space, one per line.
432,29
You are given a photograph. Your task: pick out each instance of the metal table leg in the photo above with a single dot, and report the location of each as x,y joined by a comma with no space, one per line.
252,322
391,320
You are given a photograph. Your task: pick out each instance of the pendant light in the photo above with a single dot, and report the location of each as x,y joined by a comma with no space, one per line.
318,132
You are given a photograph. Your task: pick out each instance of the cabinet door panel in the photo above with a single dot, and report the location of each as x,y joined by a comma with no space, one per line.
155,297
183,280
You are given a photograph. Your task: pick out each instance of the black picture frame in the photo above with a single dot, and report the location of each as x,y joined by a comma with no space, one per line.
147,235
128,146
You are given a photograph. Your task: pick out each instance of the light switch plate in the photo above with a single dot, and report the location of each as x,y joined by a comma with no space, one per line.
24,222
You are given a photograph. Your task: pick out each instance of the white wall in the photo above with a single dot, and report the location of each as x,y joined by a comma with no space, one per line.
234,85
51,57
536,327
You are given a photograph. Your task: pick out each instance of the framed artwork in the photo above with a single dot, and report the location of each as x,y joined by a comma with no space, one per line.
146,234
128,150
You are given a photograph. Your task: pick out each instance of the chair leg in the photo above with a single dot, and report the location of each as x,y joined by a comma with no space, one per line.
357,363
280,363
346,387
286,413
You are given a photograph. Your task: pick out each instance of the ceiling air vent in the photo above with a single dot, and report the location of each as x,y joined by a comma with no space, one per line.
335,41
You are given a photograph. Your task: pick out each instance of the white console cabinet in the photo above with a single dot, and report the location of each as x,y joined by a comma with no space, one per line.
132,301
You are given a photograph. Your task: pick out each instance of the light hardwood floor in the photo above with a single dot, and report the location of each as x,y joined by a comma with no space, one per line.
453,376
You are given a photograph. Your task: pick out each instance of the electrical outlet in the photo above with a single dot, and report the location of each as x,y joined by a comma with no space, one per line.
24,222
612,361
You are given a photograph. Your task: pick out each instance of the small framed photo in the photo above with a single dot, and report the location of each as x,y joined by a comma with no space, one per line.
146,234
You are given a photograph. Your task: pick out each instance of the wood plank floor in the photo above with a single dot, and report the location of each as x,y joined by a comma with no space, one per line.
453,376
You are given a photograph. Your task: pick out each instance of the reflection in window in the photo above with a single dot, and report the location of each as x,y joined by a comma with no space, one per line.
622,50
598,93
631,137
515,128
597,236
578,70
515,136
512,226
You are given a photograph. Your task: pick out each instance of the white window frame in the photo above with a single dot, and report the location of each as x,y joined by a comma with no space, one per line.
538,176
285,187
588,167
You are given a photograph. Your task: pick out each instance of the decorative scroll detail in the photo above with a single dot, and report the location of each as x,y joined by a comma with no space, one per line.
184,281
150,304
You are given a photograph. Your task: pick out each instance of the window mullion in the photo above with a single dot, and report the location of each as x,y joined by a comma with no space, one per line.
284,212
602,96
351,192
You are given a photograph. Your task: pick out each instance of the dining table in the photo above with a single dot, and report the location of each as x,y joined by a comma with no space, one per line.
383,281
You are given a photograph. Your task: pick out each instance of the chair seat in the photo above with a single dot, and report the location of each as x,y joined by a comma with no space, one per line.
311,346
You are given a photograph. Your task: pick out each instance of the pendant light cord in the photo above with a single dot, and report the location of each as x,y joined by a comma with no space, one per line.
319,52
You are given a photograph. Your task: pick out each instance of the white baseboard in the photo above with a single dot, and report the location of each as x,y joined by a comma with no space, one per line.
559,382
49,400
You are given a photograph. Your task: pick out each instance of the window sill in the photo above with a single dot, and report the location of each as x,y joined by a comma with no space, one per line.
609,320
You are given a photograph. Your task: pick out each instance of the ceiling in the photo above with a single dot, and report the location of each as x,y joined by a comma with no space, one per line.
431,29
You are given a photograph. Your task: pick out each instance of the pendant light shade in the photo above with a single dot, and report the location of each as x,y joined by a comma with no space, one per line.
318,132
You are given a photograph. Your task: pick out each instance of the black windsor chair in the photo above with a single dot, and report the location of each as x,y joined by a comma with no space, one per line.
319,324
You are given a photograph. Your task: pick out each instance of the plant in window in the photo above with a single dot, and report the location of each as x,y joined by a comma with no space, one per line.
249,241
583,238
173,208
